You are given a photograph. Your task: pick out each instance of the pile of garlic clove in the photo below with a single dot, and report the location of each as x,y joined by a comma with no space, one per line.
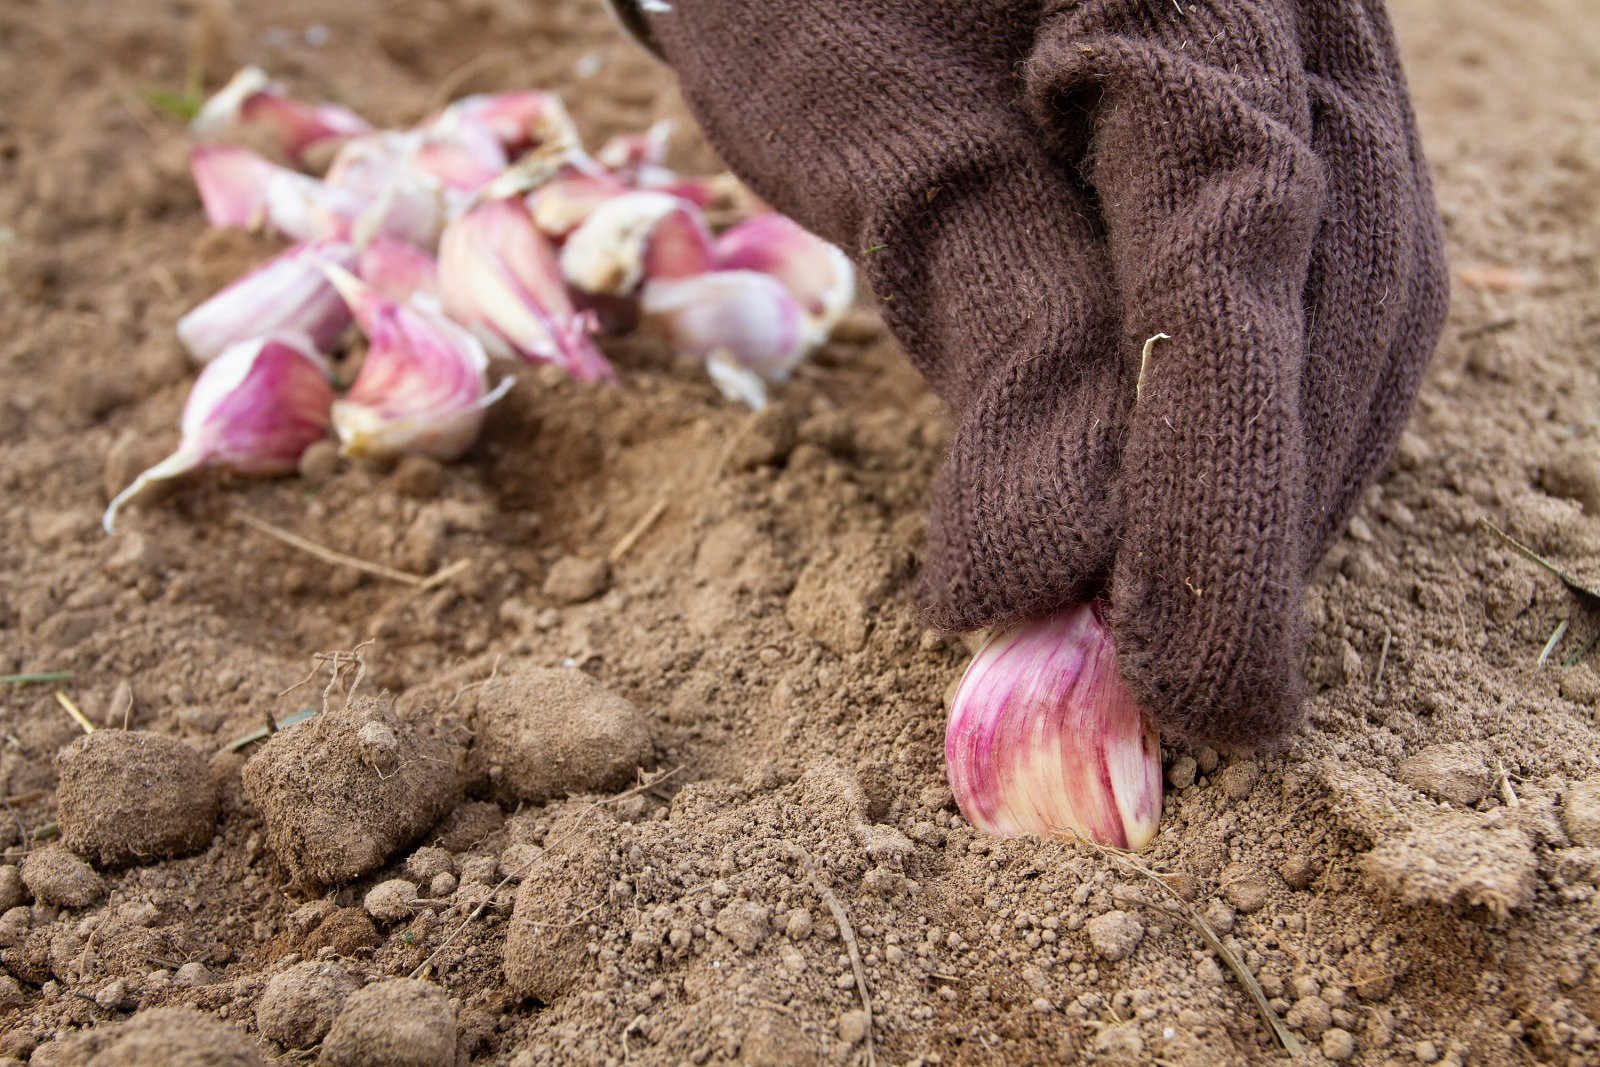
487,231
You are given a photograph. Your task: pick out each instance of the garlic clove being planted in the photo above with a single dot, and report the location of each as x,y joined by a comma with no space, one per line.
636,236
422,389
816,273
746,317
251,97
1044,737
288,294
254,409
500,277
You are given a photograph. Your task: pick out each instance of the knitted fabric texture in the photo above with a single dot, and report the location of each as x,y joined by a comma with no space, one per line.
1034,191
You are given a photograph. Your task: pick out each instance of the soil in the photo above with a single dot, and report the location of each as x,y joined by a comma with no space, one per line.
1413,878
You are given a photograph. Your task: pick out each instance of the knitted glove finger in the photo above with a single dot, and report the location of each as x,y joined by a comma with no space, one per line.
1210,192
1377,289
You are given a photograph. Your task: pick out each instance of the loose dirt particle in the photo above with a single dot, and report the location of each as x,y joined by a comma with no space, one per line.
546,733
130,796
1237,779
300,1004
331,816
345,930
1310,1015
12,891
390,901
1114,935
1338,1044
396,1023
1580,813
55,876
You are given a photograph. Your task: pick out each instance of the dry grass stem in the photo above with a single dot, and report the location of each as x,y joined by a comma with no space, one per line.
848,936
72,709
625,544
328,555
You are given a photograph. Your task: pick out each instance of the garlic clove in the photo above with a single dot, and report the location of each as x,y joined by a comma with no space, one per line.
396,269
634,236
251,97
240,188
561,205
391,196
422,389
746,317
254,409
627,154
462,155
500,277
288,294
519,121
817,273
1044,737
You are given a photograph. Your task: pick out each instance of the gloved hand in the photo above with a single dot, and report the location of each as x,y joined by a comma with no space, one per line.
1034,191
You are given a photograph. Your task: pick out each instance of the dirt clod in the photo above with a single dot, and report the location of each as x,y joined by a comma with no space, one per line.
1580,813
12,891
390,901
546,943
163,1037
1453,771
330,814
546,733
131,796
1114,935
397,1023
55,876
300,1004
574,579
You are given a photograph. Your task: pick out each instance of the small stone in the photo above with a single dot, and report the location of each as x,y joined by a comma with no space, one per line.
1310,1015
573,579
380,747
1245,890
1182,772
113,995
853,1026
425,863
543,733
1454,771
418,477
1580,813
12,892
1338,1044
745,923
55,876
1300,870
443,884
390,901
401,1022
1114,935
320,461
192,976
1237,779
299,1004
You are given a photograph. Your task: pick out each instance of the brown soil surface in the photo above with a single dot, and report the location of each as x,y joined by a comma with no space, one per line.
1398,901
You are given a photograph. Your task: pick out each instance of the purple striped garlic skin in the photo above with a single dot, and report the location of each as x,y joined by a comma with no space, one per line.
1044,737
287,294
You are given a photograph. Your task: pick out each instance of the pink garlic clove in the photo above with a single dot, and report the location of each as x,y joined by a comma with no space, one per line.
392,197
501,278
288,294
397,270
519,121
240,188
561,205
422,389
251,97
631,237
1044,737
464,156
254,409
746,317
817,273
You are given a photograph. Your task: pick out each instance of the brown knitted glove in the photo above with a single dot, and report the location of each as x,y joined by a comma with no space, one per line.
1033,194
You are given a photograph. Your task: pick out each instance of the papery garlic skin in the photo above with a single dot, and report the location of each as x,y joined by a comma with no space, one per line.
634,236
422,389
252,97
288,294
816,273
500,277
254,409
746,317
1044,737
